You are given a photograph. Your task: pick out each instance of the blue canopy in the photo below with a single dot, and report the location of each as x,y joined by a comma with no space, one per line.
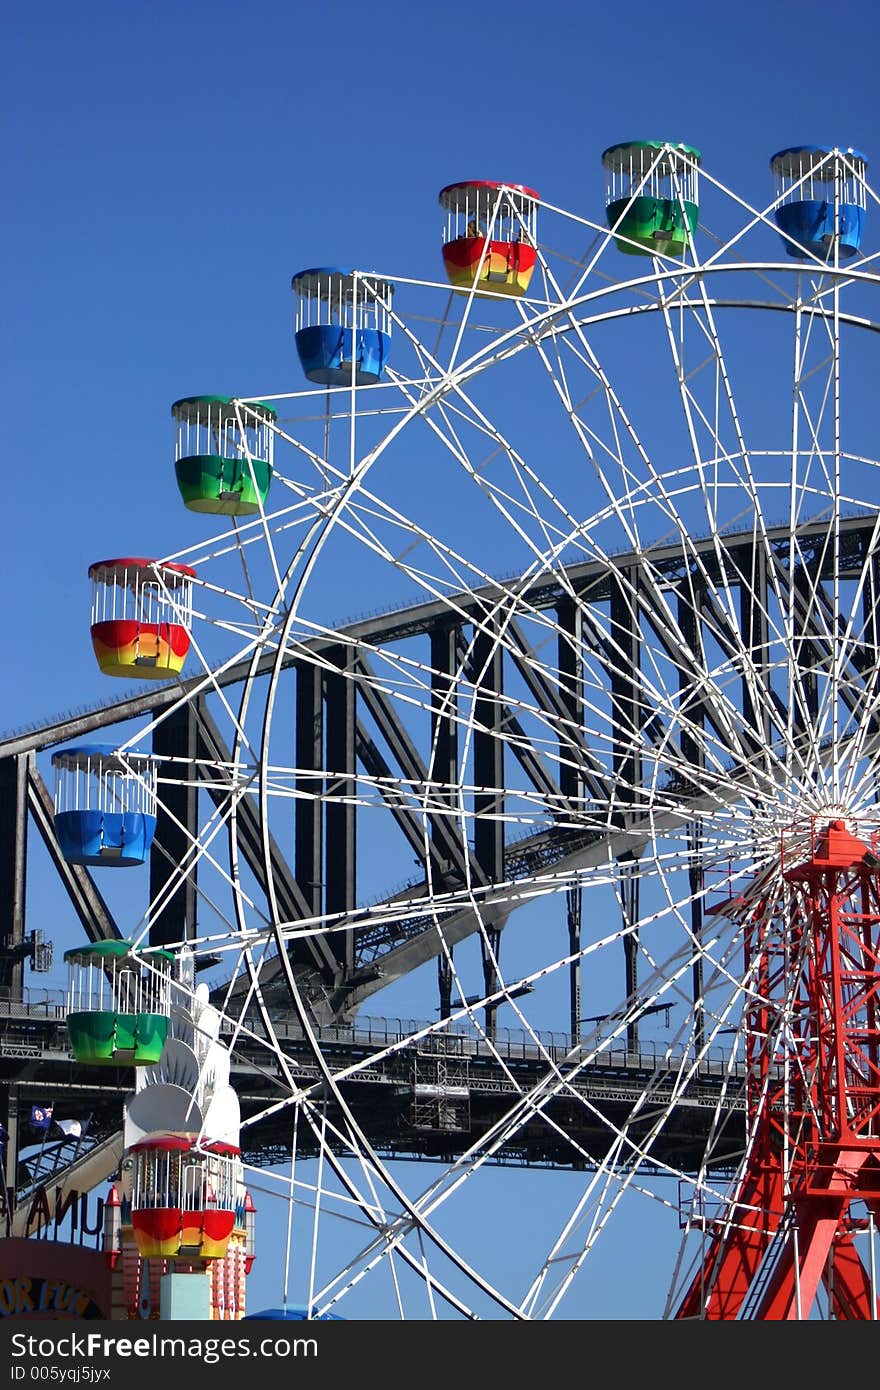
293,1310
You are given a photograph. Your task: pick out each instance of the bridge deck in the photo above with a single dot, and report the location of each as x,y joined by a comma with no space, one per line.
432,1097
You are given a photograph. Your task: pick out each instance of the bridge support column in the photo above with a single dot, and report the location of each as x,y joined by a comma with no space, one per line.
693,756
173,853
309,753
489,794
13,869
570,663
627,715
341,788
444,762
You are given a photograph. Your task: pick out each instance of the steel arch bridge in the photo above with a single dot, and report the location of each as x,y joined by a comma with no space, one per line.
343,725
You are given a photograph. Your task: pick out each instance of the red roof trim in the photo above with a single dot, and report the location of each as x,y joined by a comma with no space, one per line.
489,183
170,1143
136,562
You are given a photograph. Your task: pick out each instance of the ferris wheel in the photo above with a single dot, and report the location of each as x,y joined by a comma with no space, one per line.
527,809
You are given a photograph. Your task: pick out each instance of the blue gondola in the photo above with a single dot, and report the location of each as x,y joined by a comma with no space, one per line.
105,805
820,200
343,326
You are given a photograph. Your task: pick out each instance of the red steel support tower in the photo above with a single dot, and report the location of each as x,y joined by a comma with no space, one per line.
812,1178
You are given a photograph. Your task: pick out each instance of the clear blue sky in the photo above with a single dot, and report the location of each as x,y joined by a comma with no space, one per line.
168,167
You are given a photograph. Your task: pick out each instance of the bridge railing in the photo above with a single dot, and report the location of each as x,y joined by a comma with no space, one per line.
509,1043
463,1040
33,1003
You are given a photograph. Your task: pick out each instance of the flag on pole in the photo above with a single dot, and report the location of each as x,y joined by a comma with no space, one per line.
41,1116
70,1128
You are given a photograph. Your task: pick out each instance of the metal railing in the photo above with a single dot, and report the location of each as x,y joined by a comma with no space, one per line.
33,1003
463,1040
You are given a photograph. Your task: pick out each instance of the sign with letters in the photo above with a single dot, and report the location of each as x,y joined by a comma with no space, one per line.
47,1279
